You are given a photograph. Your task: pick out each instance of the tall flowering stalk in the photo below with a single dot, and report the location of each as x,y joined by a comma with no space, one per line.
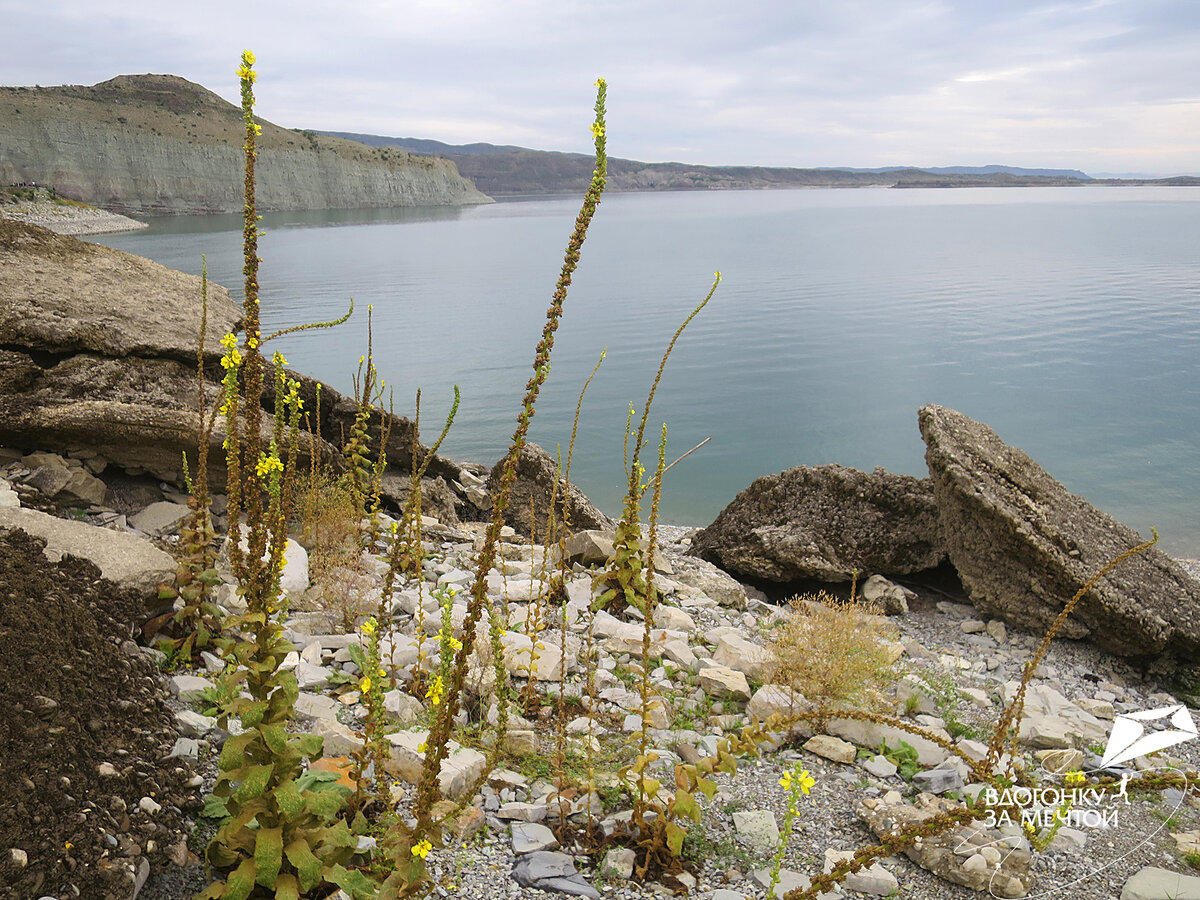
298,843
427,789
797,783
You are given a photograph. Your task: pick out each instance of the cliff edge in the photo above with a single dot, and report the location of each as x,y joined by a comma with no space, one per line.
159,144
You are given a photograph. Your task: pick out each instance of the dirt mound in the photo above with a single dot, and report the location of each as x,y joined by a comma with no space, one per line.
84,732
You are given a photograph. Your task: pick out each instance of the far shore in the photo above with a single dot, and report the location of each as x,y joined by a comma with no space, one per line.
66,219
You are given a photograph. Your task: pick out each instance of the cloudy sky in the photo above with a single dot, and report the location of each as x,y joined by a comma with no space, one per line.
1099,85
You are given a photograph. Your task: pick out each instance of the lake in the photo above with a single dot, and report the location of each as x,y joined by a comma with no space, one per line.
1067,319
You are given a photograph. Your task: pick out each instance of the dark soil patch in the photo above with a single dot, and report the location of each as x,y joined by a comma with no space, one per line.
84,735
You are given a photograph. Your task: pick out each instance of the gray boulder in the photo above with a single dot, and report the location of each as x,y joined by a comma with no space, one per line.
537,472
1024,546
64,295
823,522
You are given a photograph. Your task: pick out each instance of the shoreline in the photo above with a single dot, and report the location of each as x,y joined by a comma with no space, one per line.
71,220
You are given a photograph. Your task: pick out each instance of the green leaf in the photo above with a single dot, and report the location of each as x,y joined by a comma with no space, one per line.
240,882
308,867
289,799
675,836
252,713
308,745
254,782
233,754
275,737
214,808
312,777
287,888
686,805
268,855
324,804
708,786
354,883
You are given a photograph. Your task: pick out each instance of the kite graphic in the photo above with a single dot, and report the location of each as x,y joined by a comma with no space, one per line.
1129,738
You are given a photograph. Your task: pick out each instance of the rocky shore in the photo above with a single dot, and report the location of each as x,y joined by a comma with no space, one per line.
71,219
108,760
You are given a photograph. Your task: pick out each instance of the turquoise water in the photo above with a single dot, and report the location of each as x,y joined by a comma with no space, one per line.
1068,319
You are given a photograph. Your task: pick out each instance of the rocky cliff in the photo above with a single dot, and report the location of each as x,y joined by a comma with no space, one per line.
152,144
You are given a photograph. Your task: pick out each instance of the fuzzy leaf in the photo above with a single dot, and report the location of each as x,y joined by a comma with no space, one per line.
233,754
308,745
268,855
354,883
287,888
214,808
275,737
686,805
324,804
675,836
289,799
252,713
254,782
240,881
308,867
708,786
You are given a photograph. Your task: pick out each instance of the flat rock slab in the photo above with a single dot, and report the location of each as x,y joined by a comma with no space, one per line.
1153,883
88,297
1024,546
122,558
825,522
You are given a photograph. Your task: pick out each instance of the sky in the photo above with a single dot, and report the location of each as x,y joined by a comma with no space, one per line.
1106,86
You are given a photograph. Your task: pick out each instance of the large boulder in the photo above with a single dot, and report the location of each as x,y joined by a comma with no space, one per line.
98,352
64,295
537,475
824,522
1024,546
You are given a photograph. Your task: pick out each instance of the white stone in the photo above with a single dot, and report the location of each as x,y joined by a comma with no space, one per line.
339,740
149,806
871,734
872,880
189,688
315,706
831,748
402,707
674,618
722,683
461,768
757,827
752,660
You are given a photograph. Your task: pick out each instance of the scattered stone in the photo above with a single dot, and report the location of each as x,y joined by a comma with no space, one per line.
723,682
530,837
757,827
831,748
189,688
618,864
874,879
747,657
1153,883
891,597
159,517
938,781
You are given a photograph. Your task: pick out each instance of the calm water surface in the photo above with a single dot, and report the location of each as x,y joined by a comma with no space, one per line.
1068,319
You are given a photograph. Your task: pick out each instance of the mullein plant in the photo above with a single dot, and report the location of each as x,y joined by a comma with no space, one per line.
624,582
283,835
197,622
405,844
796,782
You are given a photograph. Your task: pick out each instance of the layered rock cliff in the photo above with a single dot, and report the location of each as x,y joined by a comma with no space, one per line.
153,144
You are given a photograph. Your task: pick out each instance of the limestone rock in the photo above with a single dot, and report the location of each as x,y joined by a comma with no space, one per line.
948,854
752,660
121,557
93,299
824,522
1153,883
1024,546
537,471
723,682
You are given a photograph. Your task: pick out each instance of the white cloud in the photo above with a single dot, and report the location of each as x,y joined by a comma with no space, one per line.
861,82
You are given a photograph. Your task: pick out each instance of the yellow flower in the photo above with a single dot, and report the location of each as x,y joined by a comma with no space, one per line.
1030,828
1076,779
369,626
786,781
422,849
267,465
365,684
597,130
257,129
434,694
247,57
229,341
421,747
67,845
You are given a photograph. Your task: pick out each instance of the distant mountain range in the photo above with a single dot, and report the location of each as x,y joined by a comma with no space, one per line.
500,170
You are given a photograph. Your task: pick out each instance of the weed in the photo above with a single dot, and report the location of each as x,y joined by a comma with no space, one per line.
832,651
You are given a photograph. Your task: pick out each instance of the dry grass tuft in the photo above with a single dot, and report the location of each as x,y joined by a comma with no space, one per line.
833,651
